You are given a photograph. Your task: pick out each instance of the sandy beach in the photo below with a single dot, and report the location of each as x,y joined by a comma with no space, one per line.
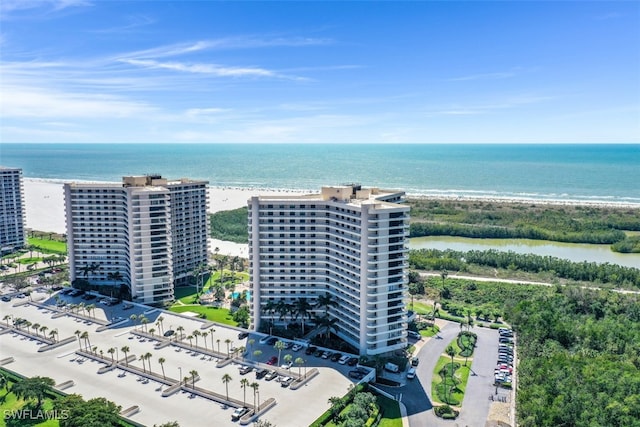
44,201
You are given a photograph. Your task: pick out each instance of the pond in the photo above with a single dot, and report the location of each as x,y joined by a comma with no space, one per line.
577,252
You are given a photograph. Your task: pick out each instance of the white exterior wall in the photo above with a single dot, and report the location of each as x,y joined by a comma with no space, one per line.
150,244
305,247
12,209
129,229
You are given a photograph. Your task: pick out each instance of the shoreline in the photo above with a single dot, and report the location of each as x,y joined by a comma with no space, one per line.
44,202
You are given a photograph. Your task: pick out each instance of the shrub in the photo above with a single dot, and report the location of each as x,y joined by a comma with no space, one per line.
446,412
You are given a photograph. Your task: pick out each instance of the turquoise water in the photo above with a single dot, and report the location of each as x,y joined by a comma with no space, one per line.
558,172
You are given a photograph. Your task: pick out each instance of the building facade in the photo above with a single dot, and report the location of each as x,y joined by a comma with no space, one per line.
12,210
147,233
337,259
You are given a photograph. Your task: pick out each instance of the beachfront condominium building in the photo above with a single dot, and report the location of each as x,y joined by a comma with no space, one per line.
12,212
337,259
148,233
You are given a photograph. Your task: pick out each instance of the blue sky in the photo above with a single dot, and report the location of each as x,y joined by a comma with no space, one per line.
299,72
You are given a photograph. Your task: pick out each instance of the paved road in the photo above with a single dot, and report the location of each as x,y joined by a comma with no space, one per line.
416,394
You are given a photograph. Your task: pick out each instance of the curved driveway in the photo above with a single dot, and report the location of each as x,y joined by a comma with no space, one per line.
416,394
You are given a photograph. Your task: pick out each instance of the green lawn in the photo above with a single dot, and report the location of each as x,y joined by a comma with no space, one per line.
214,314
9,402
48,246
422,308
390,412
462,374
429,332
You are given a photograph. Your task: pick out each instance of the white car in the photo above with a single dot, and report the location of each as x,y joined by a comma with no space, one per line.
296,347
411,373
344,359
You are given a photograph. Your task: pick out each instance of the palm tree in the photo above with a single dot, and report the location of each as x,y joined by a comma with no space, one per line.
204,338
279,345
35,327
85,337
451,352
328,324
190,338
218,342
125,350
327,302
161,361
53,334
226,379
211,333
300,361
133,318
6,318
303,309
181,330
111,351
3,383
144,367
160,325
152,331
143,322
147,357
43,329
33,388
444,275
250,344
244,383
283,309
194,374
228,343
196,334
255,387
90,308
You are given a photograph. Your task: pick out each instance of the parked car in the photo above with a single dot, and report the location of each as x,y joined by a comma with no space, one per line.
260,373
296,347
356,375
414,335
6,298
238,413
411,373
272,360
243,335
245,369
344,359
271,341
336,356
310,350
326,354
415,361
286,381
271,375
353,361
318,353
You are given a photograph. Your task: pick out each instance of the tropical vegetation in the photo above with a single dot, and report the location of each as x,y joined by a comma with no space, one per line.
561,223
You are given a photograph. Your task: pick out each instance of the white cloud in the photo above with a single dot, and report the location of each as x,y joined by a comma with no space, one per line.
7,7
36,102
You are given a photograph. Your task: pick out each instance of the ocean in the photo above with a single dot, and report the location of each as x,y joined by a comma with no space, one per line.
564,172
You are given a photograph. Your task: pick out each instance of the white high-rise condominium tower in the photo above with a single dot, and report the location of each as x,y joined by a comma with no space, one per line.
12,213
348,245
148,233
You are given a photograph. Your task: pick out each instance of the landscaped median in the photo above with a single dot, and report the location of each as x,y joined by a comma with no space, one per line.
361,407
451,374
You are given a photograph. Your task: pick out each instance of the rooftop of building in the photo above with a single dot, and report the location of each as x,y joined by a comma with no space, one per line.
353,194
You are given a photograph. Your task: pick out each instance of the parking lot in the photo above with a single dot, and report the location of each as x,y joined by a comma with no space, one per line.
63,364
